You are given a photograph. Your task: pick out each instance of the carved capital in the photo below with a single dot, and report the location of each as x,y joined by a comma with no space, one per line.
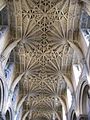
83,61
2,117
83,117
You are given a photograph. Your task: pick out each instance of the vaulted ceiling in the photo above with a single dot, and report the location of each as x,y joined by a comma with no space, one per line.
48,30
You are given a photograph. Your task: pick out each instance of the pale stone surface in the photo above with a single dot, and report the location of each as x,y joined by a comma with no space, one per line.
45,38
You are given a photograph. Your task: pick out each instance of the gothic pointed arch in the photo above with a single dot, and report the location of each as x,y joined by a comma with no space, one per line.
39,43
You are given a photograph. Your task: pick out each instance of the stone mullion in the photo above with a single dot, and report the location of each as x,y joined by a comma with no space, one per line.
70,19
76,21
11,21
18,18
73,15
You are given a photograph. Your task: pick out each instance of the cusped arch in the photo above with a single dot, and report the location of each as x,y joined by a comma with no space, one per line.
82,98
8,114
73,115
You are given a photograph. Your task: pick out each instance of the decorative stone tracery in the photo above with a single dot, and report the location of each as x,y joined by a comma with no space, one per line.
44,44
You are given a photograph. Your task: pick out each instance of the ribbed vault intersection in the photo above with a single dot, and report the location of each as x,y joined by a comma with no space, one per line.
48,33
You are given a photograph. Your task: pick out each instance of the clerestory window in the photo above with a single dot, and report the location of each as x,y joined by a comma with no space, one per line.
4,16
85,27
